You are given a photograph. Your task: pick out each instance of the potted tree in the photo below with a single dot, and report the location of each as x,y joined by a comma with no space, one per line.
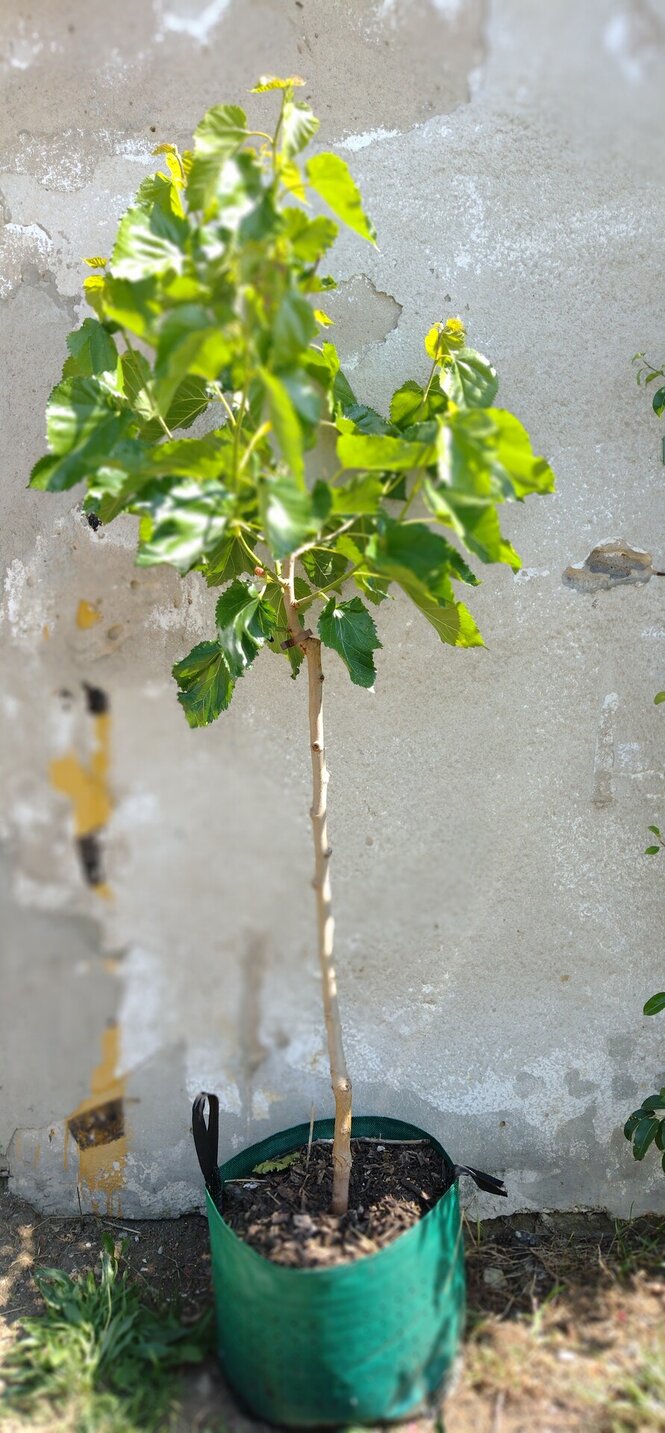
307,509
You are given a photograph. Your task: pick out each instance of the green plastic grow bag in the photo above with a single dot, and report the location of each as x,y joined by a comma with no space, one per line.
363,1342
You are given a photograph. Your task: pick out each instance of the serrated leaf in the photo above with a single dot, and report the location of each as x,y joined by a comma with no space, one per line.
221,130
286,427
91,351
293,330
190,399
227,560
475,520
75,410
365,420
135,306
206,684
324,566
292,180
407,403
486,452
444,339
96,263
655,1004
299,125
274,82
244,622
362,494
382,453
148,244
197,458
348,628
330,177
422,563
188,521
290,514
310,238
469,379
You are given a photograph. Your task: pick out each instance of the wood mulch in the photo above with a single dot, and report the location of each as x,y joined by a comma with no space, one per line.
283,1212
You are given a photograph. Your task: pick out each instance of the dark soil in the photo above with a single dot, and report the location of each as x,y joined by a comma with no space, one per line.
284,1212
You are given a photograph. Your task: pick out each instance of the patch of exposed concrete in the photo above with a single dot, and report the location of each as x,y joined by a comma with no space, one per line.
363,316
610,564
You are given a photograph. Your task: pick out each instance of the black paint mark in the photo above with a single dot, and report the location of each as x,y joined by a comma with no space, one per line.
90,851
97,700
93,520
102,1125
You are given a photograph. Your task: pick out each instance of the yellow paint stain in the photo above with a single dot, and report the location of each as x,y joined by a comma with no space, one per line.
87,786
46,631
87,614
102,1164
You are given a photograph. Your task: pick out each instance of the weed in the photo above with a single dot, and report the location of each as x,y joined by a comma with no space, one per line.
99,1353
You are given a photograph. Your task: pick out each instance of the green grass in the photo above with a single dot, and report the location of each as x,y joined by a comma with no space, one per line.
100,1358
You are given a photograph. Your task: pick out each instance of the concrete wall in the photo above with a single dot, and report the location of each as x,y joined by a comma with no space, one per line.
499,927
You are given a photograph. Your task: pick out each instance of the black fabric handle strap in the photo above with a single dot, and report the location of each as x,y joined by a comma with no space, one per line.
206,1140
486,1182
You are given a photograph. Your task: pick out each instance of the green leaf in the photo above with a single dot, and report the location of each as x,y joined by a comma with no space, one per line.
310,238
444,339
644,1135
91,351
222,129
299,125
190,399
486,452
655,829
652,851
362,494
407,403
659,697
658,402
329,176
290,513
655,1004
188,521
135,306
383,453
229,559
190,343
324,566
75,410
244,622
469,379
348,628
200,458
422,563
206,684
272,1166
148,244
364,419
275,596
286,427
293,330
632,1123
274,82
476,522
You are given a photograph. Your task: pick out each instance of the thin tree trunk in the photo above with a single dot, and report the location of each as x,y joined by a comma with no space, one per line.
339,1078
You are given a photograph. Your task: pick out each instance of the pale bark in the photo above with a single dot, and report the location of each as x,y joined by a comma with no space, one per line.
339,1078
